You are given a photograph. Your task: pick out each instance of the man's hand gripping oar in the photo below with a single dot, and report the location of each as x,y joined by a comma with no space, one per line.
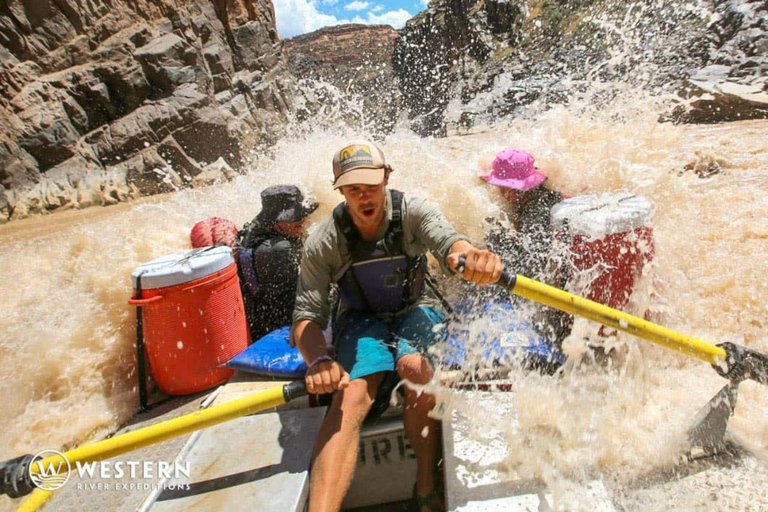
476,265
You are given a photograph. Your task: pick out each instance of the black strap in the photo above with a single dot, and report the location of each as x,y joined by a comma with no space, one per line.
394,235
344,223
140,356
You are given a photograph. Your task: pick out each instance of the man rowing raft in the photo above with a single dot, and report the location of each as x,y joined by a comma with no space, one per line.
374,248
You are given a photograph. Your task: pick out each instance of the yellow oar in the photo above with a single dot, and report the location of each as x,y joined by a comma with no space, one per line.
730,360
36,501
15,479
616,319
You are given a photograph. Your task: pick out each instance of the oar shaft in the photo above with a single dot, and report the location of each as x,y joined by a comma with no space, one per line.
178,426
570,303
35,501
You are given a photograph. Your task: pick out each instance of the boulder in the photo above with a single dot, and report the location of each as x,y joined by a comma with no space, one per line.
148,173
254,44
211,134
185,166
82,175
219,61
214,173
126,84
711,101
168,62
732,85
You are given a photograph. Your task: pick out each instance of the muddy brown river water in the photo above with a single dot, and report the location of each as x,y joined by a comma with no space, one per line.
67,332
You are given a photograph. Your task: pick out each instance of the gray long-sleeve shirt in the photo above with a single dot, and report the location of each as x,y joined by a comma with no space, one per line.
326,257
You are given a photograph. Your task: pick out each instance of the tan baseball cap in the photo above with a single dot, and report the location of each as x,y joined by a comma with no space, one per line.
359,162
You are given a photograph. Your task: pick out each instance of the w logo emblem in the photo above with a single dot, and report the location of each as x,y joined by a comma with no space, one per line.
49,470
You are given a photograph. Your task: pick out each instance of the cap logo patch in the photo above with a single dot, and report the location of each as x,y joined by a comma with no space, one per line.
355,156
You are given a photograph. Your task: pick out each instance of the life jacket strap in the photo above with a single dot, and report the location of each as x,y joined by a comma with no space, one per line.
393,245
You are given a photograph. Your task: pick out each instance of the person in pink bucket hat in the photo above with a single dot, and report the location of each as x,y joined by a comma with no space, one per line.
527,206
524,242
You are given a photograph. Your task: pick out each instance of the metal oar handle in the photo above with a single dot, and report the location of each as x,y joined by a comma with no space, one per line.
507,280
294,390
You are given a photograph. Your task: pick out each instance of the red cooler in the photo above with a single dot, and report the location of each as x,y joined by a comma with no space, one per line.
610,240
193,317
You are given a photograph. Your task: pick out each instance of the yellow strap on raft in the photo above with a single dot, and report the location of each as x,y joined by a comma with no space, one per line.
619,320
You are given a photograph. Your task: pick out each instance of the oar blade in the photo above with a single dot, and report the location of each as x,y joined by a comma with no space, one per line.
707,436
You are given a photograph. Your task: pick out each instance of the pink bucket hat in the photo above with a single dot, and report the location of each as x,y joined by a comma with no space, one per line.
513,168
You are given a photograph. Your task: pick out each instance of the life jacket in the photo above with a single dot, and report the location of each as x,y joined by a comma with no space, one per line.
382,278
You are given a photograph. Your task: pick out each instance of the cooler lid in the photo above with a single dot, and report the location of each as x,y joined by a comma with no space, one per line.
599,215
182,267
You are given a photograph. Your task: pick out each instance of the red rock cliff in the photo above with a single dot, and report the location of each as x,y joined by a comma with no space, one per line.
110,99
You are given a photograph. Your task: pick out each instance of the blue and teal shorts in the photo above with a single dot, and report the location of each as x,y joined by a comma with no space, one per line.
365,344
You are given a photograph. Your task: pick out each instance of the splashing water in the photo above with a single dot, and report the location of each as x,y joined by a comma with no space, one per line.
67,333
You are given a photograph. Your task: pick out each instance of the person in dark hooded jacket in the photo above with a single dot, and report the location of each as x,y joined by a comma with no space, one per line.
269,252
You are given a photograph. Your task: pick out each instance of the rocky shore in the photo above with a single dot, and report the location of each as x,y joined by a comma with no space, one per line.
464,63
106,101
357,60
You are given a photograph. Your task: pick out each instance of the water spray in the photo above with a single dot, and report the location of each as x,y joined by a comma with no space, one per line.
731,361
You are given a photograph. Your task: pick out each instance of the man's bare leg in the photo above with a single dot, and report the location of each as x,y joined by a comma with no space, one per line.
421,429
337,444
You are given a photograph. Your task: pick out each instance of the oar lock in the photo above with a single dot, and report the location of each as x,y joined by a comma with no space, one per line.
15,480
742,363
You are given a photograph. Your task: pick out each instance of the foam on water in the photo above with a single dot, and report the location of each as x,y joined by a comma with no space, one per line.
67,334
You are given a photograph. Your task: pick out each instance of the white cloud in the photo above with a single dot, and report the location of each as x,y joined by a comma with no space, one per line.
395,18
377,8
357,5
296,17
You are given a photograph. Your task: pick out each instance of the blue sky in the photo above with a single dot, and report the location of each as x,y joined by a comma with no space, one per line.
295,17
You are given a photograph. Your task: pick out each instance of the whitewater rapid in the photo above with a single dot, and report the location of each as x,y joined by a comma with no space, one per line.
67,333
